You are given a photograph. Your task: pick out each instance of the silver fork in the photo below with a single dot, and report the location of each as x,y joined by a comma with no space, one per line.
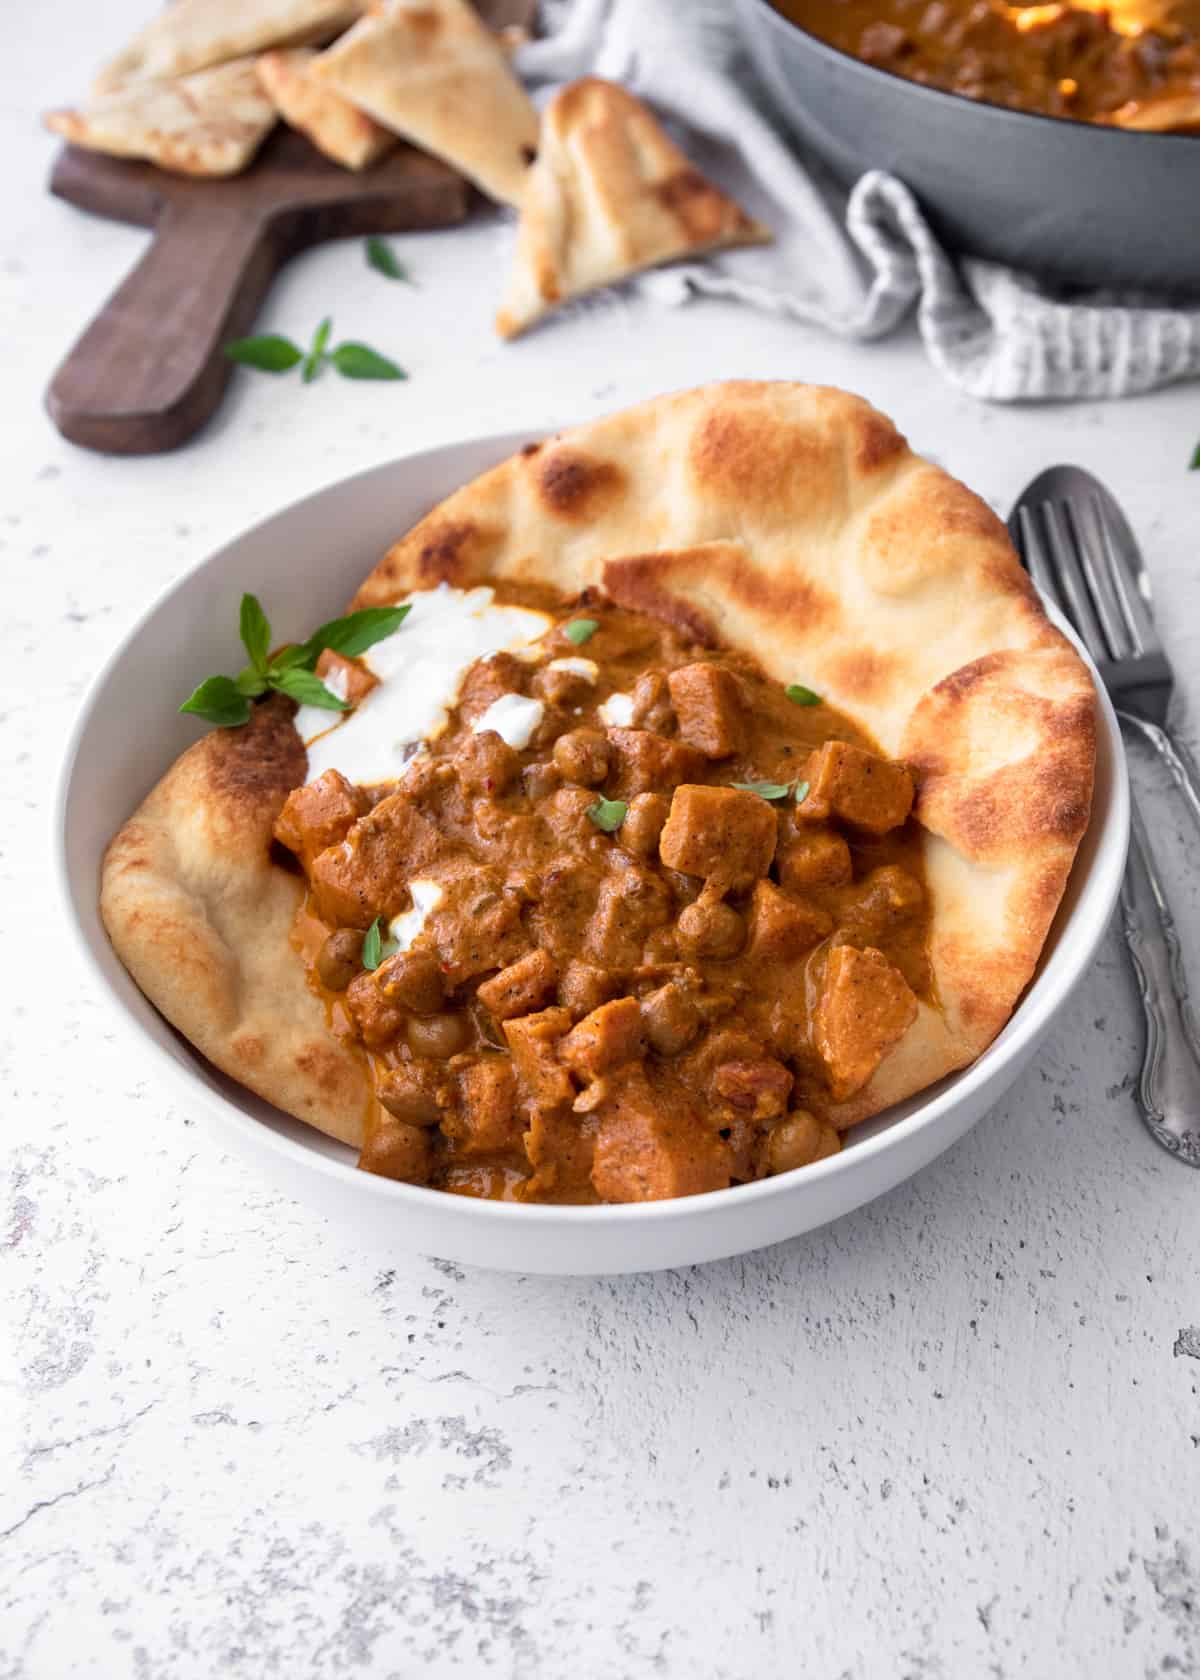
1077,546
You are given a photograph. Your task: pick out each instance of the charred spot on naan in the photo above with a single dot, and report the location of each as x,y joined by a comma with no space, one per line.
574,486
1004,750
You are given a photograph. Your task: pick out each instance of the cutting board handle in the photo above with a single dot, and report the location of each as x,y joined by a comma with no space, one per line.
149,370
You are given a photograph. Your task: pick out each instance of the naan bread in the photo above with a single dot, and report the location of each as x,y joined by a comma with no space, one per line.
202,918
211,123
787,520
608,196
334,126
430,71
191,35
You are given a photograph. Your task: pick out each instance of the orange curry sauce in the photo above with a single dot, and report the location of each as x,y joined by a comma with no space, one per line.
639,981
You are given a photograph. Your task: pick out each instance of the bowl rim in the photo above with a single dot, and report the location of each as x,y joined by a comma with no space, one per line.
921,89
1048,991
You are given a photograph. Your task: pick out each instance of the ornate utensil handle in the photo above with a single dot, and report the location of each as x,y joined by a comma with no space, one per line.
1176,758
1169,1085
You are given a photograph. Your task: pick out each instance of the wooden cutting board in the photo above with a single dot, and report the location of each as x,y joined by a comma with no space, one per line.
149,370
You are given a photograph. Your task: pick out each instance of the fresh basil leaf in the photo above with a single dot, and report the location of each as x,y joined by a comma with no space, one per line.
269,353
382,258
249,683
308,690
581,630
1194,463
608,814
372,948
802,696
765,790
357,632
255,631
316,351
296,653
359,361
219,700
801,792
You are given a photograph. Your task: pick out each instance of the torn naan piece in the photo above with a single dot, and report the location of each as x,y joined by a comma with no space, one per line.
211,123
192,35
335,127
609,195
432,72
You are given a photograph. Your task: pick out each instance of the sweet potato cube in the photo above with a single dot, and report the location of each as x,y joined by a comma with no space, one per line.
486,1117
604,1039
319,814
720,833
708,703
864,790
650,1144
644,762
865,1007
367,875
782,927
813,856
760,1085
521,987
533,1039
350,679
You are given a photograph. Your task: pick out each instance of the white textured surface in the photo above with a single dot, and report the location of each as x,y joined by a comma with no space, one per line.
956,1435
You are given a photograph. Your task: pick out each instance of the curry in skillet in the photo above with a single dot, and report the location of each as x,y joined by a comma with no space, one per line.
1134,63
623,929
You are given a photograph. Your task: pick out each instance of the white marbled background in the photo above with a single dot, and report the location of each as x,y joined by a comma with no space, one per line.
955,1435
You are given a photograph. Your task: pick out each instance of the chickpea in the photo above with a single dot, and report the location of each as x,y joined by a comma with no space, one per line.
710,928
409,1098
539,781
583,756
414,980
486,764
438,1036
397,1150
670,1019
644,823
340,959
798,1140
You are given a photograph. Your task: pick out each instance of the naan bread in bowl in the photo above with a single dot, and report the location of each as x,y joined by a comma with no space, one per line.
787,522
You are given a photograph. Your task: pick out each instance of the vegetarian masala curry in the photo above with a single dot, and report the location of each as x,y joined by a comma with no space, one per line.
1132,63
623,929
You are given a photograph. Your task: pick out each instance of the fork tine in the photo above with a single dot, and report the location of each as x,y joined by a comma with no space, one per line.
1033,553
1122,571
1060,544
1085,518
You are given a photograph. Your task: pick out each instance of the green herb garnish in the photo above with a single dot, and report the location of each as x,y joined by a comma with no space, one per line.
272,354
381,258
608,814
376,949
581,630
269,353
316,351
801,696
765,790
801,792
1194,463
359,361
226,700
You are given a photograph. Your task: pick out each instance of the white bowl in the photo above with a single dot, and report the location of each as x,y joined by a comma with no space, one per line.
305,563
